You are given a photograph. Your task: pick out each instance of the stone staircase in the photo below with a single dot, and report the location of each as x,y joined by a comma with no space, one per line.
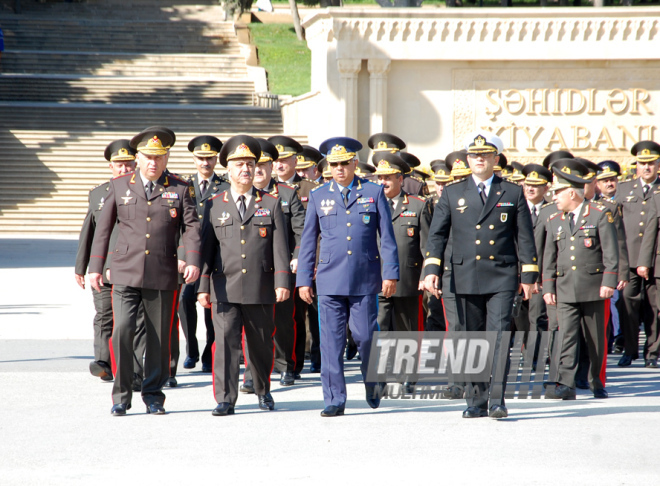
75,76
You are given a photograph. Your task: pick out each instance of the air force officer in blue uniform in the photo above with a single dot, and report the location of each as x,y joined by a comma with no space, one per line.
349,213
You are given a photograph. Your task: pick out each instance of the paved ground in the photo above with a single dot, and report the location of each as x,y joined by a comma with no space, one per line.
55,425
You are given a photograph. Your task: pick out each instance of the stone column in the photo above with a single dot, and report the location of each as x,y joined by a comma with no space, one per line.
378,69
348,73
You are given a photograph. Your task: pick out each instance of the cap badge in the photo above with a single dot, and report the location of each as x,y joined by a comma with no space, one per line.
645,152
479,141
300,159
533,175
459,164
206,147
566,170
243,151
382,145
383,164
279,148
122,151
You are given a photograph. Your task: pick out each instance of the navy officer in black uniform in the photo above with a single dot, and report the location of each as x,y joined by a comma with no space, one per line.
491,220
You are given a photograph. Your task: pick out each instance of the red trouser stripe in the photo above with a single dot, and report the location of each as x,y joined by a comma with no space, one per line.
295,329
113,362
420,315
213,360
245,356
603,369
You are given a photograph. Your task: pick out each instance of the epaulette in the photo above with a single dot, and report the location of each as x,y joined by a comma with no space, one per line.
217,195
599,207
554,215
177,177
418,179
318,187
417,197
101,184
123,175
547,204
267,194
286,185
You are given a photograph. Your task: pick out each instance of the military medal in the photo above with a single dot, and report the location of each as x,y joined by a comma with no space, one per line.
126,198
326,205
101,203
223,218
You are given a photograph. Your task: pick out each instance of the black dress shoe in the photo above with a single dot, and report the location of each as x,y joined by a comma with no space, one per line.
287,378
136,385
171,382
247,386
453,392
625,360
189,363
120,409
314,368
582,384
332,411
565,392
297,376
101,369
155,409
266,402
351,350
373,400
498,412
207,368
222,409
474,412
601,393
650,363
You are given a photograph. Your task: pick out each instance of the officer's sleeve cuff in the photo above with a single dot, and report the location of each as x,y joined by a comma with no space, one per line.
437,261
530,268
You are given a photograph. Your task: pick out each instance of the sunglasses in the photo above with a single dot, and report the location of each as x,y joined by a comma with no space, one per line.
335,164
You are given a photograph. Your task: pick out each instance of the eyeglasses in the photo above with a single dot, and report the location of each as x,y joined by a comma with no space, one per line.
343,163
484,155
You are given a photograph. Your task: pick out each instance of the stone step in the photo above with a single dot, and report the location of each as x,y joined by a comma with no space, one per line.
122,64
24,33
96,89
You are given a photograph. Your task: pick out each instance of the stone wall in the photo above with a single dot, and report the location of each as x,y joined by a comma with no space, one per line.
544,79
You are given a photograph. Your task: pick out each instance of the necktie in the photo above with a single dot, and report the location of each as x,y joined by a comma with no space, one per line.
482,193
392,206
646,189
571,221
150,189
203,187
535,216
344,193
241,206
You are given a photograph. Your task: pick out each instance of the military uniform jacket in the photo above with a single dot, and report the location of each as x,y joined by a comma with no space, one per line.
216,186
305,186
293,211
349,260
245,260
540,232
576,264
145,254
489,240
617,210
415,186
96,199
649,251
635,213
411,220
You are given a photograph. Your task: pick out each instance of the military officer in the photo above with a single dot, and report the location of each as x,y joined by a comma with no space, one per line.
639,297
246,271
203,185
502,168
122,161
517,175
151,209
608,178
533,315
458,161
349,214
386,142
285,167
494,214
307,163
580,272
411,218
294,219
413,184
